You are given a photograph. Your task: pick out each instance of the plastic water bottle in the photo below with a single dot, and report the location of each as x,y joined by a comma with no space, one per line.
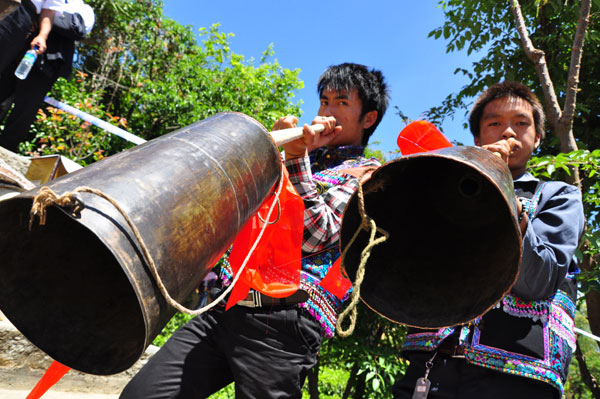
26,63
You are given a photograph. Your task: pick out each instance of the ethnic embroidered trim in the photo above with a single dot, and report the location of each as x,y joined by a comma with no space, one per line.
557,345
530,204
427,341
328,157
335,176
535,310
557,315
561,318
321,304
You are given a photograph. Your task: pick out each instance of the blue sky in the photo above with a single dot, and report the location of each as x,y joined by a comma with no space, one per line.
310,35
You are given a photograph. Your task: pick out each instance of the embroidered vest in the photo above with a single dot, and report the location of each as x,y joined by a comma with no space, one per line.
321,304
532,339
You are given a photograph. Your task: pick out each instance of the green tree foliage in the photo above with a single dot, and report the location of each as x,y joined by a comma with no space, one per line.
575,388
488,27
370,356
371,152
551,167
58,132
156,76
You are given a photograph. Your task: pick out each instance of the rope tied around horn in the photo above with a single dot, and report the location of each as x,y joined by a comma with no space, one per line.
71,201
46,197
367,224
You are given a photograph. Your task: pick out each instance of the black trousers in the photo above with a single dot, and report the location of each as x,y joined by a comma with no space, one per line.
266,352
27,96
16,33
453,378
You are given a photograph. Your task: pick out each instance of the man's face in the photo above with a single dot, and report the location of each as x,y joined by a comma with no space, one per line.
346,107
510,118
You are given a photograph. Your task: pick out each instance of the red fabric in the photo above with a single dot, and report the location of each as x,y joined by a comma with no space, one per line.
336,281
421,136
274,267
54,373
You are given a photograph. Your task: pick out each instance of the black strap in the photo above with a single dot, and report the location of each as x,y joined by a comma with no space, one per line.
70,26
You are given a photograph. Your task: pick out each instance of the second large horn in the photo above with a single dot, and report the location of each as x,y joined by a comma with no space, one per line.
454,242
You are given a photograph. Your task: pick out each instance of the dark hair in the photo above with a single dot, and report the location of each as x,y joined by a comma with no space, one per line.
503,90
369,84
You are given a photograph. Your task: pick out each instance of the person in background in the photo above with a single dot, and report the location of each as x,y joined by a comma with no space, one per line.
28,26
267,345
521,348
74,22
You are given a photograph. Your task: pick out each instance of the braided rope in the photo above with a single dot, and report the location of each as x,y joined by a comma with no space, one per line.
368,224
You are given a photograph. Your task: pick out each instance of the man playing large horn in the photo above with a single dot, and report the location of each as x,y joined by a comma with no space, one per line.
522,347
264,346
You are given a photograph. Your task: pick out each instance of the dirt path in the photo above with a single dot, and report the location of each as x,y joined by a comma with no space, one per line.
22,365
52,394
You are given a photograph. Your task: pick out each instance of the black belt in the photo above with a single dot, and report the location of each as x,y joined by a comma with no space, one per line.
450,346
256,299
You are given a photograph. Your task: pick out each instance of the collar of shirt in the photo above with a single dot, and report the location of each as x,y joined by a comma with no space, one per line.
526,180
525,177
328,157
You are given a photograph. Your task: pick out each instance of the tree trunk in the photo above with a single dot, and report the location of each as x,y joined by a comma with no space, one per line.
360,386
560,121
567,144
313,381
586,375
592,299
350,382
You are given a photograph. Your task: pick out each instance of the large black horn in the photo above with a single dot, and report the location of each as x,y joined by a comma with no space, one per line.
454,242
78,286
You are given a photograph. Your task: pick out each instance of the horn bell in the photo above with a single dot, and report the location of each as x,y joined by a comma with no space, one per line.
454,243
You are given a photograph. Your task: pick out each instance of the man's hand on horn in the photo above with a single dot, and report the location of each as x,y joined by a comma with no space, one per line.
311,139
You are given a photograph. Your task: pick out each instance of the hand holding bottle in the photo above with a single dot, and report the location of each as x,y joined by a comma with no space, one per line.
26,63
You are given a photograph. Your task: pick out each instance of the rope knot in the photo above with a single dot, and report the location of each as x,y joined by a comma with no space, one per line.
70,201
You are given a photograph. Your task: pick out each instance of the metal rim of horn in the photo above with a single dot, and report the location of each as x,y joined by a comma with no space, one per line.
454,243
78,286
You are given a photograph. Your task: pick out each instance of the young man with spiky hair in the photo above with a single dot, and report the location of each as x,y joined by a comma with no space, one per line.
522,347
266,345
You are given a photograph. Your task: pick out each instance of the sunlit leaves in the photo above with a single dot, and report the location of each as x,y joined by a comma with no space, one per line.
550,167
155,75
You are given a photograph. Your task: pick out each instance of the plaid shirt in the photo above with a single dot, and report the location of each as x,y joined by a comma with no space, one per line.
326,189
326,192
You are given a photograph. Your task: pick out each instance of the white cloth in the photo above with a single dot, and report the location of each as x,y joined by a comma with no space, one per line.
56,5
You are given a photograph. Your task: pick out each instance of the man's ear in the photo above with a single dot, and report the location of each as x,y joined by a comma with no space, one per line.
369,119
477,141
537,142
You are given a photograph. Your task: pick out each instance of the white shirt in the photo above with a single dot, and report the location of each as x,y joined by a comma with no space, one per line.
56,5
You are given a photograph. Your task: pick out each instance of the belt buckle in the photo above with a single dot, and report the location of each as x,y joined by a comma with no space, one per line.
256,298
253,300
451,349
